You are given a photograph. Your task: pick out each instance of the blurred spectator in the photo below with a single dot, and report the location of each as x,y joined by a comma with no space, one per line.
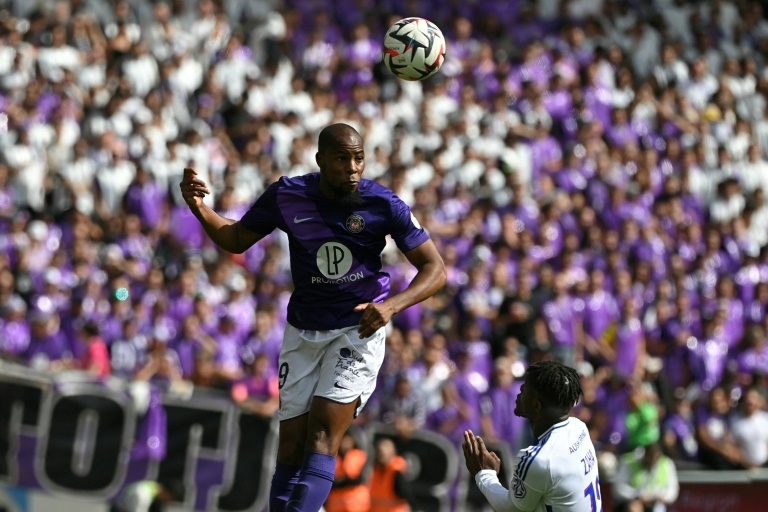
750,429
95,358
404,410
646,481
497,406
350,491
389,489
679,432
717,448
642,418
257,392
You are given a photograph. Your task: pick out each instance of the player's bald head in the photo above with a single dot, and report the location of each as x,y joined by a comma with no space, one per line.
337,134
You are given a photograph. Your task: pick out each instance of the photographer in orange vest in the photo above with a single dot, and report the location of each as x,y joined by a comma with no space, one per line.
388,487
349,492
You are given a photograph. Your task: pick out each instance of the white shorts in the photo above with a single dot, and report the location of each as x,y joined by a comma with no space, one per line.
335,364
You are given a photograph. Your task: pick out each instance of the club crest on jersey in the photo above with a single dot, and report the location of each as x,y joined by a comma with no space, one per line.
355,223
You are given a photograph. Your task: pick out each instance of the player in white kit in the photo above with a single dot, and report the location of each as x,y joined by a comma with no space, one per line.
558,472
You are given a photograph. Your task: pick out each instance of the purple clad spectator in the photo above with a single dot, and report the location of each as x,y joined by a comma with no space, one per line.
129,351
229,349
630,343
678,432
190,342
470,385
601,312
49,347
561,321
753,357
15,333
497,406
266,336
404,409
708,355
258,391
453,418
717,448
145,198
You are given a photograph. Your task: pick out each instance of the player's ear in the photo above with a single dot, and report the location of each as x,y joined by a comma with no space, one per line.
320,160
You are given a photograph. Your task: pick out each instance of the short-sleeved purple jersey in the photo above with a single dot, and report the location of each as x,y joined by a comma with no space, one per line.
335,250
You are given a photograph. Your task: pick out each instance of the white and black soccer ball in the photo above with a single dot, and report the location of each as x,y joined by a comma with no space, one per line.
414,49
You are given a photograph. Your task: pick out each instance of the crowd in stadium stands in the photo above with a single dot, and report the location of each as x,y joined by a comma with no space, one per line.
593,172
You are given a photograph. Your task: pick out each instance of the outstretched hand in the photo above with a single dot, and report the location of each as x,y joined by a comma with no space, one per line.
193,189
477,455
375,316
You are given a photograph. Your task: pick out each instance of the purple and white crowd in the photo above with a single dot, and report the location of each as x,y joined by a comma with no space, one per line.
593,172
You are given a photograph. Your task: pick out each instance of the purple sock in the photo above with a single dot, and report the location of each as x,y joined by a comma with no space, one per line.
315,481
283,481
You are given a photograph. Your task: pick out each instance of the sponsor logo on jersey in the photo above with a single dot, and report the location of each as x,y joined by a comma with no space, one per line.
355,223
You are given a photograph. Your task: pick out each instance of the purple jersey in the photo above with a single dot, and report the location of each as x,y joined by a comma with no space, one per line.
335,250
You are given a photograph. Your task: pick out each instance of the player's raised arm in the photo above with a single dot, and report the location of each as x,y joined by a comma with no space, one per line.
431,276
228,234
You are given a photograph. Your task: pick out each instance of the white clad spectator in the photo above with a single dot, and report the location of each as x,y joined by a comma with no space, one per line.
187,74
216,40
677,16
740,78
202,27
440,105
623,93
162,34
702,84
78,177
726,15
59,56
21,71
28,164
729,202
258,101
113,180
232,71
757,230
284,134
66,135
739,141
403,108
643,45
141,70
750,430
93,73
754,174
671,71
298,100
319,58
420,172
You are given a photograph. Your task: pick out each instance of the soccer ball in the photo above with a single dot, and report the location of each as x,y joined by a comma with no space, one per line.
414,49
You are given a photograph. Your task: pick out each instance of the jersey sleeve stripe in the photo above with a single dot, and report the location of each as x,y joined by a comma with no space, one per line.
529,460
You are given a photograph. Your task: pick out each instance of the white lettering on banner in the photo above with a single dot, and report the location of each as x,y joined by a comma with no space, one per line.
345,279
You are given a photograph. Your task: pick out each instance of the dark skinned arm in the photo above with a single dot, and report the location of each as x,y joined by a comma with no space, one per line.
430,278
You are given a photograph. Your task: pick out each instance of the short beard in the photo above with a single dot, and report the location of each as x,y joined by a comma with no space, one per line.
351,199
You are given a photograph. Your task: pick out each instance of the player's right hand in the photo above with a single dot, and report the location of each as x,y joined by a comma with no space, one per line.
193,189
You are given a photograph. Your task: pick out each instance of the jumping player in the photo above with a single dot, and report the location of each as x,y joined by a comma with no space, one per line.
333,345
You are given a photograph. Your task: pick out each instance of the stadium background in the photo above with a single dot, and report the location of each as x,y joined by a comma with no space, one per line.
610,156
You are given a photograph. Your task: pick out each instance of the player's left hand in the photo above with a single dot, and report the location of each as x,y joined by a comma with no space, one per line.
375,316
477,455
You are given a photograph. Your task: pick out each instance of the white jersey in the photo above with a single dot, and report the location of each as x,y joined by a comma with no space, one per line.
556,474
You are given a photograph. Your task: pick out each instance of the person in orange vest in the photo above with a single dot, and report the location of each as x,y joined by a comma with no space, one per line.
388,487
349,492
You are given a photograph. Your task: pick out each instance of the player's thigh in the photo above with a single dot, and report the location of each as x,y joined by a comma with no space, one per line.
350,367
290,446
327,422
298,373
